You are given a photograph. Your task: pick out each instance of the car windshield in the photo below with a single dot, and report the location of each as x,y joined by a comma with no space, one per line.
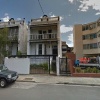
3,68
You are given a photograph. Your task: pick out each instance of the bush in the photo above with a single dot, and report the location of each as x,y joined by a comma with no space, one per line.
88,70
53,66
19,53
92,70
78,69
44,66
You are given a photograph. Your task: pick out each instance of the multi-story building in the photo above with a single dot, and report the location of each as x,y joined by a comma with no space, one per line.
87,39
44,36
17,33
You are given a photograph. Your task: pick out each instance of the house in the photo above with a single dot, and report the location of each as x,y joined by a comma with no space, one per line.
17,33
87,39
44,37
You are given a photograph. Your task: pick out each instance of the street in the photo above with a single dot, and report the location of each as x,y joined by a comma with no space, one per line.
34,91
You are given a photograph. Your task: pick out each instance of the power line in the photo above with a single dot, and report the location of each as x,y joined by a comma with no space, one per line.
41,7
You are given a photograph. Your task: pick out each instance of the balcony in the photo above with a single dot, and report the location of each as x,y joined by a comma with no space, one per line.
49,36
47,20
13,37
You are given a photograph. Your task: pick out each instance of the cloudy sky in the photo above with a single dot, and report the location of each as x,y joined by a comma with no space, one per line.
71,12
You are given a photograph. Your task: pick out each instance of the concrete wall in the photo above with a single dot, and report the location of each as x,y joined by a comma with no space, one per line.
23,32
78,43
21,65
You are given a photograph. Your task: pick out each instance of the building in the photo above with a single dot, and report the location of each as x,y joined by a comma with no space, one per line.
64,48
87,39
17,33
44,36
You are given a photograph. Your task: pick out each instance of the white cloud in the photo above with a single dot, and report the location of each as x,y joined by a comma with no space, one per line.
65,29
6,17
70,38
98,13
69,15
52,15
70,44
71,1
86,4
18,18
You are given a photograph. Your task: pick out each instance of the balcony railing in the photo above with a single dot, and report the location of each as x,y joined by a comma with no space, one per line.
13,37
43,36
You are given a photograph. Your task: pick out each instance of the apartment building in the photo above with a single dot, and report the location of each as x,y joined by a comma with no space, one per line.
44,36
17,33
87,39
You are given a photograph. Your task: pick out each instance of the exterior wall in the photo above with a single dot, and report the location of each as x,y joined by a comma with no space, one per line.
14,49
44,25
21,43
23,30
34,48
39,60
82,44
78,43
21,65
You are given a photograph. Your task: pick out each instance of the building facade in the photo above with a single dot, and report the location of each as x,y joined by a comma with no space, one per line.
87,39
44,36
17,33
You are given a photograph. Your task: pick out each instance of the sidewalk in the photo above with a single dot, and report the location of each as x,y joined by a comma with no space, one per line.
59,80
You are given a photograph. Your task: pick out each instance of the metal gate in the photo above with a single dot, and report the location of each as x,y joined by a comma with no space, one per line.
63,66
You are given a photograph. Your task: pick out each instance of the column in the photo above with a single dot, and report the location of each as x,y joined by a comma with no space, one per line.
57,66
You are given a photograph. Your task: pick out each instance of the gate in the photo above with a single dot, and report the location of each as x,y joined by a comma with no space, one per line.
63,66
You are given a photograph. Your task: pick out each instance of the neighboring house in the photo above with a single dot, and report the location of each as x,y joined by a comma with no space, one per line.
17,33
44,37
87,39
65,49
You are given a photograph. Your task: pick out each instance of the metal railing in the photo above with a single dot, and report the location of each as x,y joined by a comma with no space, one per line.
43,36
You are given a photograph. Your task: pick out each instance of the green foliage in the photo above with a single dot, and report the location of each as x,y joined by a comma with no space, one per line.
4,41
19,53
53,66
44,66
87,70
78,69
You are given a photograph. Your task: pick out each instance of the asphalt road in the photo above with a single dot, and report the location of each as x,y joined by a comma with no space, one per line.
33,91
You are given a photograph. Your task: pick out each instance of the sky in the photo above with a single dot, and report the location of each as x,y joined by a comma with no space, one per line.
71,12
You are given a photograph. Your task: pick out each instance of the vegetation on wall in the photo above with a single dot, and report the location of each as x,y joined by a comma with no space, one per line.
4,43
42,65
87,70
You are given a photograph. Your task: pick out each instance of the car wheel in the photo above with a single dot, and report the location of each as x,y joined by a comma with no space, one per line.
3,83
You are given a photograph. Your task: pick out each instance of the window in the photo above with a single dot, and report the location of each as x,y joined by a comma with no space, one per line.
40,34
40,49
87,27
95,45
98,44
44,32
83,37
83,28
49,31
40,31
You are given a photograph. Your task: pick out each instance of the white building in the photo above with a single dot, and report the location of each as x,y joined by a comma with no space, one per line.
18,35
44,36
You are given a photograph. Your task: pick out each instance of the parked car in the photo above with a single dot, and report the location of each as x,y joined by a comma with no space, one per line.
7,76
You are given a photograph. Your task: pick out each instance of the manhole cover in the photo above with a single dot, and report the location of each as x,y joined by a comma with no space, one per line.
28,78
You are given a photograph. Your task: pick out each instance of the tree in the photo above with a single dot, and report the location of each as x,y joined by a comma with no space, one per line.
4,42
